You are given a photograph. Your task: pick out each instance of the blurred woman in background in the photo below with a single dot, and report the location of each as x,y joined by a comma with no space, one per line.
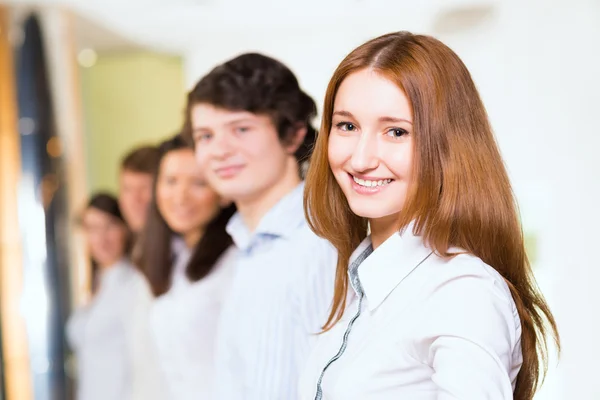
187,259
110,335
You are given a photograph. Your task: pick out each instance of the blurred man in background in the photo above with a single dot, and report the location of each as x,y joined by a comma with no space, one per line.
251,125
135,185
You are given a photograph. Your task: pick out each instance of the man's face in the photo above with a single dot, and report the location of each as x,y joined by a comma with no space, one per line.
239,152
135,193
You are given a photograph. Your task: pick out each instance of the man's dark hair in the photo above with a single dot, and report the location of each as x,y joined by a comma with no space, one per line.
143,159
261,85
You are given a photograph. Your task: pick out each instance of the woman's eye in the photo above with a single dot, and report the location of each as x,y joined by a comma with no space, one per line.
396,132
346,126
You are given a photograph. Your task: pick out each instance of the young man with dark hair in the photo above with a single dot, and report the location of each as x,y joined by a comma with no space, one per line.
135,185
251,126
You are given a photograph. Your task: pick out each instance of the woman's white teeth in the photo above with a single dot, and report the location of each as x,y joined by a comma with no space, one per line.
366,183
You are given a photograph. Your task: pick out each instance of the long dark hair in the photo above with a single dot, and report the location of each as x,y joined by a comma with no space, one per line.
155,258
108,204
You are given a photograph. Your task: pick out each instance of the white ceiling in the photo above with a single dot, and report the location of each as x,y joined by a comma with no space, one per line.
177,25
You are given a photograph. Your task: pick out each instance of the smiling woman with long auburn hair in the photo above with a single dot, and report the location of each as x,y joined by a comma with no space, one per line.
439,301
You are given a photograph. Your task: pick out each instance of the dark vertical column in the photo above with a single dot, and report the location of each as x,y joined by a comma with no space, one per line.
42,216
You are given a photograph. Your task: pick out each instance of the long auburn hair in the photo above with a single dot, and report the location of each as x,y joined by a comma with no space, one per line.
461,195
155,258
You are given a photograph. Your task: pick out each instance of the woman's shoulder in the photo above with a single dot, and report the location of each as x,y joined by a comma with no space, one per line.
212,286
133,280
75,326
228,258
462,264
223,266
465,278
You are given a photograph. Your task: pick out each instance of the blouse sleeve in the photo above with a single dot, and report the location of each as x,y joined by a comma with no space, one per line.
147,382
470,339
75,328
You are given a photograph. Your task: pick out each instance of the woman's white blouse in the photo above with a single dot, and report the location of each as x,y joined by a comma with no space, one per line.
430,328
111,340
184,322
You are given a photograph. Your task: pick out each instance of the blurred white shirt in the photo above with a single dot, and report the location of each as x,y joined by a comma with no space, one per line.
429,329
111,340
184,324
280,298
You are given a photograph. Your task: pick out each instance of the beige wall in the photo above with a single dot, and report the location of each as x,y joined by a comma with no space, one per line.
129,99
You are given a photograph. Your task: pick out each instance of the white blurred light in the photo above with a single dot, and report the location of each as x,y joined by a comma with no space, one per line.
87,58
40,365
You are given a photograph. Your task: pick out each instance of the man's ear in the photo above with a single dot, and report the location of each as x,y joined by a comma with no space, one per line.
296,138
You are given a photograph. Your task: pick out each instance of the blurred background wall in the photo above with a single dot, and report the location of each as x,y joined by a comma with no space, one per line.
129,98
120,71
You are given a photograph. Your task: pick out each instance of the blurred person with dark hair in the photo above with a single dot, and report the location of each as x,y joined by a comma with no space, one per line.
110,335
135,185
187,258
251,125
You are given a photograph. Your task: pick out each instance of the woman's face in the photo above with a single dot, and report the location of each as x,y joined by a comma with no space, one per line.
183,198
106,236
371,144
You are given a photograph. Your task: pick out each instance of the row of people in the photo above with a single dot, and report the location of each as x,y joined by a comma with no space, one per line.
397,269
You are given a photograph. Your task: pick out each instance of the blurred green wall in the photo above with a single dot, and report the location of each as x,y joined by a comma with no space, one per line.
129,99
